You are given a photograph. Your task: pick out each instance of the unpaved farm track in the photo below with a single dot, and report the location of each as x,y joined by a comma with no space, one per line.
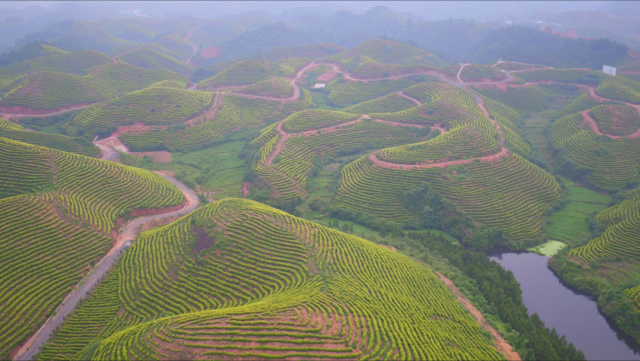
126,234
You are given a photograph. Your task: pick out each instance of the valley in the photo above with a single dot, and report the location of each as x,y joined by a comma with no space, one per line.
173,197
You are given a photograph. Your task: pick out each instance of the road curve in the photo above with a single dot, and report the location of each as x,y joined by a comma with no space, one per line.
127,233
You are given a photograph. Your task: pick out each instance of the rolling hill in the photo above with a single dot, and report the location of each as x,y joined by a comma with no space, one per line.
320,294
60,212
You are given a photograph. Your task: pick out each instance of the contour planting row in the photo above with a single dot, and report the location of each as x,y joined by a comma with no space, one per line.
283,310
620,89
621,237
315,118
226,120
150,106
354,93
526,99
474,140
288,175
387,104
243,72
277,86
613,162
510,194
54,141
617,120
51,240
508,118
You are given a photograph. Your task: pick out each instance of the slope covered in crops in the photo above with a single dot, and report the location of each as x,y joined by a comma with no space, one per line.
59,210
152,59
60,142
206,289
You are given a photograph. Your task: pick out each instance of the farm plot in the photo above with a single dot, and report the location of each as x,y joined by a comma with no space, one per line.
617,120
245,305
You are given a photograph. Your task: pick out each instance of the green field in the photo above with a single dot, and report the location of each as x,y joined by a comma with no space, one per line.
220,170
569,225
548,249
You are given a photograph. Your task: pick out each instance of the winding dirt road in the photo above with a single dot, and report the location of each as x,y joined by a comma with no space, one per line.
194,47
126,235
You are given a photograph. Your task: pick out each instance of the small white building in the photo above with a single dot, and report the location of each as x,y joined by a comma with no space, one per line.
319,85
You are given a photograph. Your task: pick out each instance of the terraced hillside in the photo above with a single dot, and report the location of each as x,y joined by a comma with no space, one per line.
243,73
154,60
384,50
320,293
525,99
312,51
50,91
617,120
58,211
60,142
612,162
351,93
621,237
152,106
509,193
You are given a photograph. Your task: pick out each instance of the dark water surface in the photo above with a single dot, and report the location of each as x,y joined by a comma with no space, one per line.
574,315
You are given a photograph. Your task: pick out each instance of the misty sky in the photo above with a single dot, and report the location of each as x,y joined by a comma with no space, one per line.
430,10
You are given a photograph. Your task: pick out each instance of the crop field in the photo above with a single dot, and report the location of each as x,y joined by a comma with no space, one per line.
387,104
288,177
315,118
467,141
154,60
243,72
582,102
385,51
354,93
613,162
513,66
445,104
76,62
427,59
375,70
49,90
620,237
510,194
621,90
57,220
311,298
527,99
60,142
476,72
616,119
569,224
227,119
273,87
155,105
312,51
127,78
508,118
586,77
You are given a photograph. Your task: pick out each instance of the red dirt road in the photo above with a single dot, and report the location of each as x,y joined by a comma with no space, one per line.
489,158
587,120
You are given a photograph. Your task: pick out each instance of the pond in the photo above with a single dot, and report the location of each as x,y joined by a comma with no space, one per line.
574,315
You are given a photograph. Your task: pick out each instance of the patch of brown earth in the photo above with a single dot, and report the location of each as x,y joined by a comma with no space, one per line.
328,76
246,187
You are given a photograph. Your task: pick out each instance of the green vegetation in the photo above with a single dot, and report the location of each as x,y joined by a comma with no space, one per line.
617,120
152,59
387,104
609,163
570,224
312,287
475,189
527,99
384,50
60,142
156,105
244,72
315,119
57,221
476,72
313,51
272,87
548,249
620,89
353,93
585,77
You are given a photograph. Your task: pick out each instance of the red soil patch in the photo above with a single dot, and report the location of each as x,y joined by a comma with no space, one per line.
499,342
155,211
328,76
157,156
571,33
211,52
246,187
